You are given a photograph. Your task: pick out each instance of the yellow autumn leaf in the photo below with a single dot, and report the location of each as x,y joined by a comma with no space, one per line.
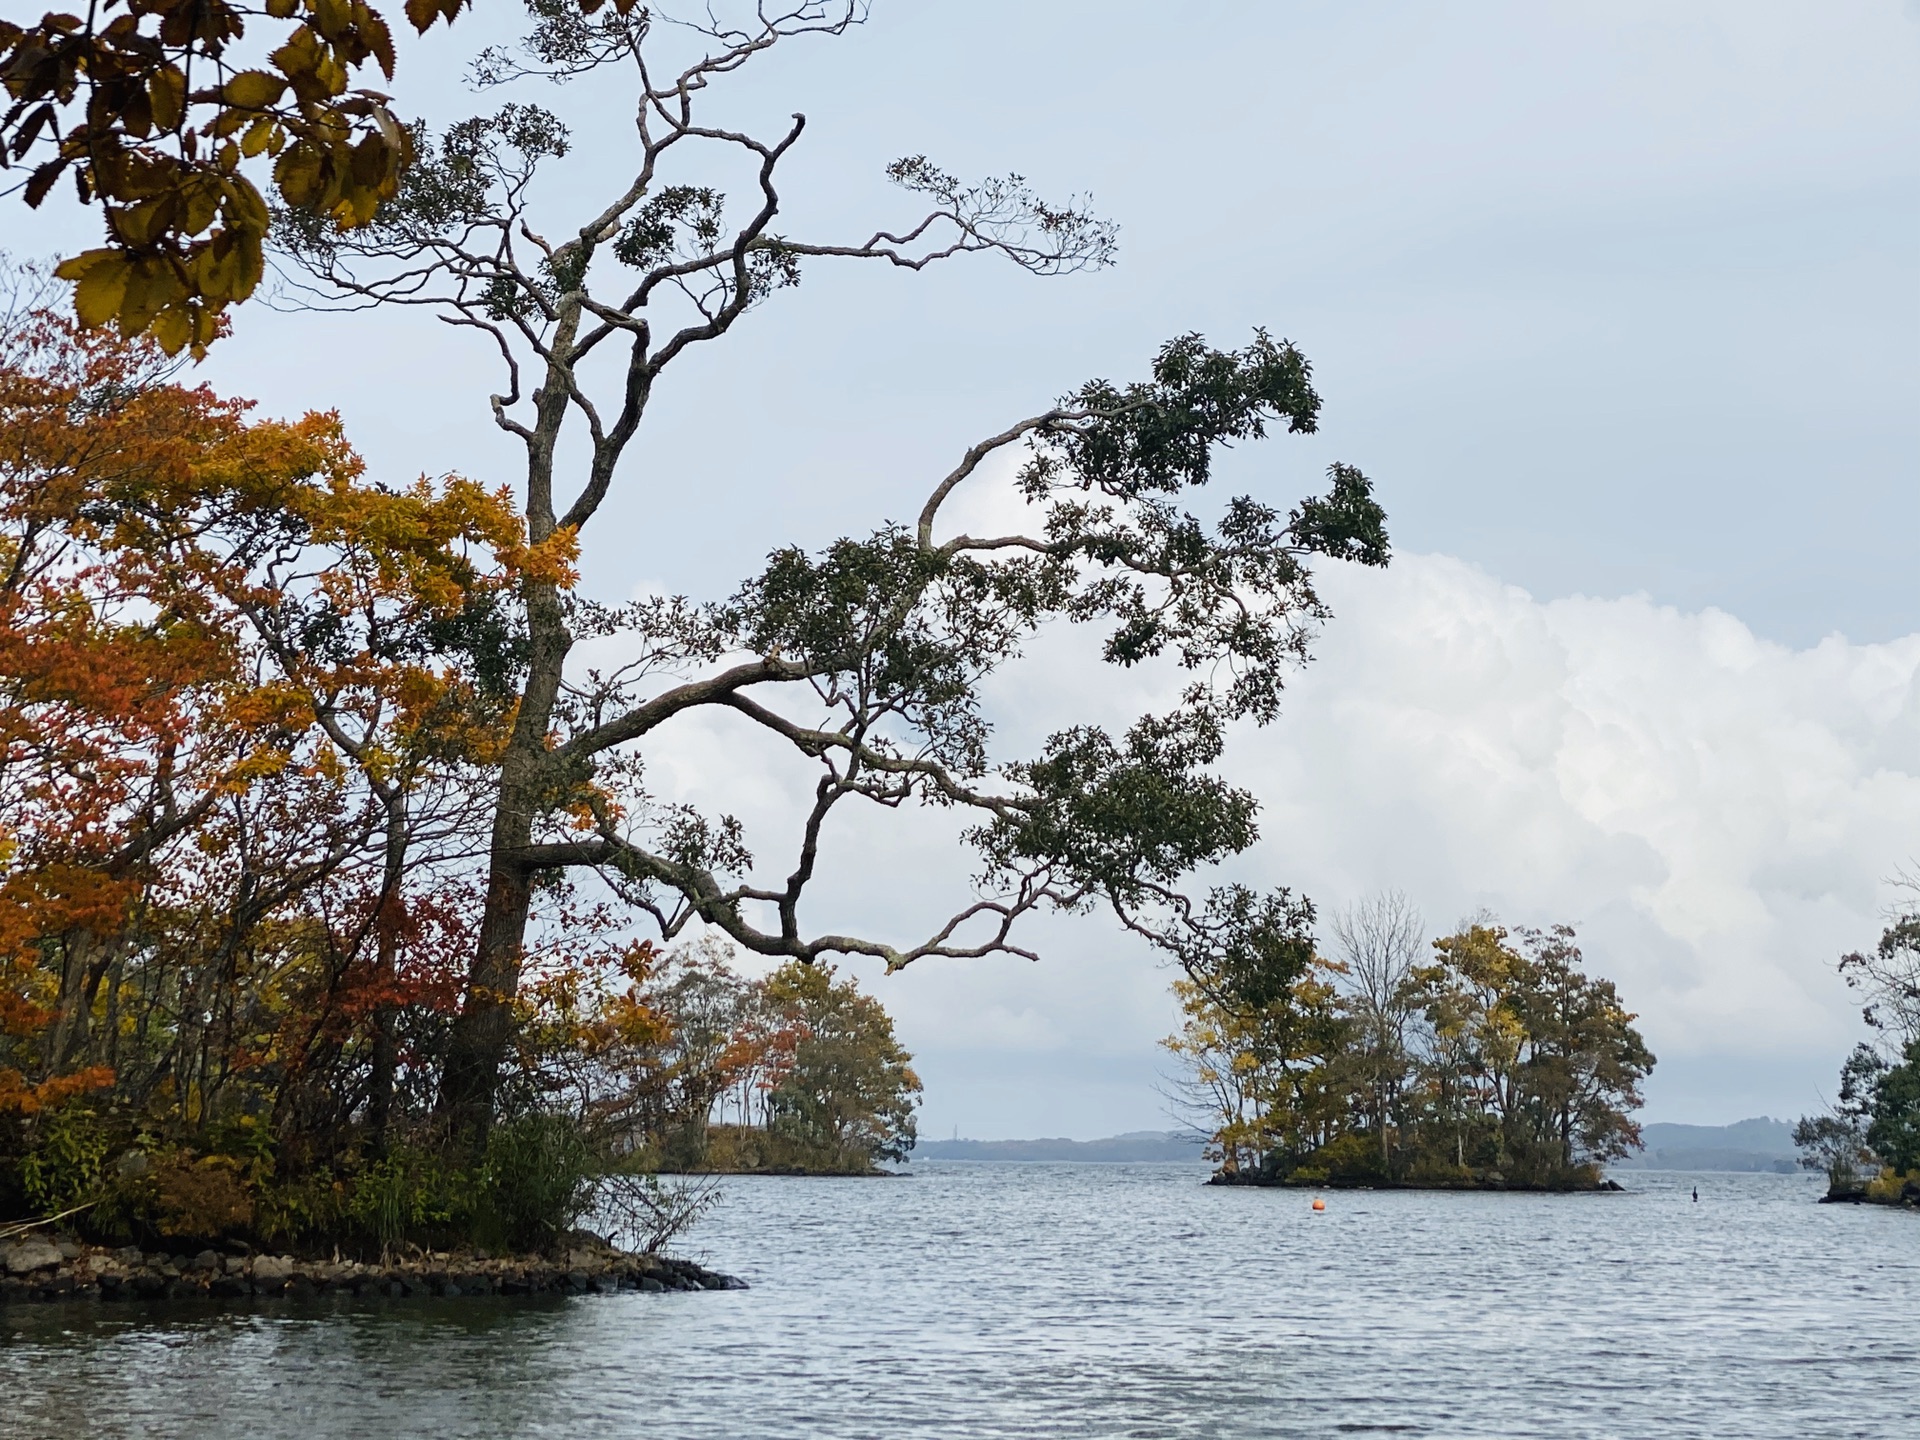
151,287
102,276
217,269
297,173
172,328
257,136
203,198
330,17
167,93
253,89
137,224
246,211
377,37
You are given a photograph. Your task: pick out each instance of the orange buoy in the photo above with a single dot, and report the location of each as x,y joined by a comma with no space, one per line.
1318,1204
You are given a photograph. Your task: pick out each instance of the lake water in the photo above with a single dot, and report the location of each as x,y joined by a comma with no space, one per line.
1080,1300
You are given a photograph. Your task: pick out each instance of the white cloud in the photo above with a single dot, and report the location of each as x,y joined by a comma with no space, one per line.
1716,813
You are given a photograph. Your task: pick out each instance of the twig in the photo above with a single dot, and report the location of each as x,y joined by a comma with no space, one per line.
7,1232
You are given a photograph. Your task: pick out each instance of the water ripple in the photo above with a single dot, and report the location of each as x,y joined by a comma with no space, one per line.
1042,1300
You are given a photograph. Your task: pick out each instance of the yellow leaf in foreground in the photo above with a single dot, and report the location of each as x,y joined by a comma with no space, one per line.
172,328
253,89
103,284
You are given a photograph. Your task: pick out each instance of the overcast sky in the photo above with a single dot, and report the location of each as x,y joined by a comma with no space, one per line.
1618,304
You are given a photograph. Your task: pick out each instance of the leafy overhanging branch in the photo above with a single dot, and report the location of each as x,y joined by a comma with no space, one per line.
894,635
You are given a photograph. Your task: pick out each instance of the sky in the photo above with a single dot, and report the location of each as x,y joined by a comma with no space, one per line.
1618,305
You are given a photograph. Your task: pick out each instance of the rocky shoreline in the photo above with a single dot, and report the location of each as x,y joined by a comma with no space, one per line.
37,1269
1907,1197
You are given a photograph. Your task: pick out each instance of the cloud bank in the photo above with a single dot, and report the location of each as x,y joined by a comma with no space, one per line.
1718,814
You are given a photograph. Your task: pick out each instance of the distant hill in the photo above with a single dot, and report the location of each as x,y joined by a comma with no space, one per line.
1136,1146
1758,1144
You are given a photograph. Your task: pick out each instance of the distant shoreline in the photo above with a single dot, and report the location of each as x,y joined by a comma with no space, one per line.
1246,1180
1133,1148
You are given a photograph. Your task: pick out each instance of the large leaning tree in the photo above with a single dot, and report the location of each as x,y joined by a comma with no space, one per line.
865,660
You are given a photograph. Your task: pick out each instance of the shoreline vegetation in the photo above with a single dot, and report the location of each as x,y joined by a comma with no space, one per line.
1868,1141
763,1150
1887,1188
617,1123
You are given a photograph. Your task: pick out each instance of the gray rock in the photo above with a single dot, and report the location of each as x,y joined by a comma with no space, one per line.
31,1255
272,1268
68,1250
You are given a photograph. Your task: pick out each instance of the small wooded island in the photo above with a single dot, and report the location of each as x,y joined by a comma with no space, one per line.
1491,1061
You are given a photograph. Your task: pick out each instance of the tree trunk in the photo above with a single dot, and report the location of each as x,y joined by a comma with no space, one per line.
528,785
386,1047
69,1030
479,1041
386,1058
481,1033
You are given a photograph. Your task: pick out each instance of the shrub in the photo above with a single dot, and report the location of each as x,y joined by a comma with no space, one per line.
289,1212
201,1198
1352,1158
65,1165
536,1181
401,1197
646,1212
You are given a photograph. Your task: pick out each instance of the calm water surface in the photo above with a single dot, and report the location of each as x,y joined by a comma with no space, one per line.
1065,1300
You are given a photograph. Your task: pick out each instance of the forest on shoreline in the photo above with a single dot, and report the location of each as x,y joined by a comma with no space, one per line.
335,888
336,892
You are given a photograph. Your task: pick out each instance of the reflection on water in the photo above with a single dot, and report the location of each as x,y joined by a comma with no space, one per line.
1063,1300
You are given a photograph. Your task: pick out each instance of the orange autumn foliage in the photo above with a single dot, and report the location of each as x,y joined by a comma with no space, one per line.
222,652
